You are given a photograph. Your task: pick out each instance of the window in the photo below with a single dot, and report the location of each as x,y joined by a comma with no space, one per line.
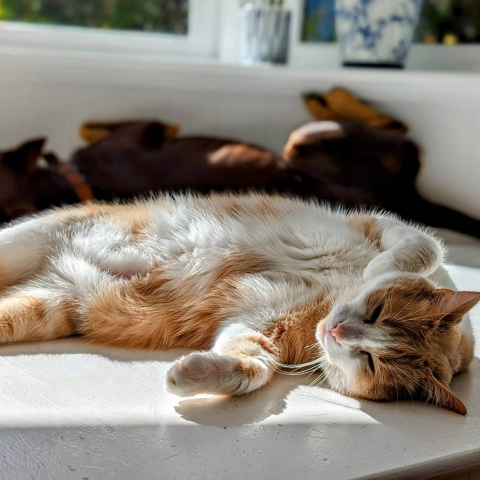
211,29
449,22
442,22
319,21
167,16
161,27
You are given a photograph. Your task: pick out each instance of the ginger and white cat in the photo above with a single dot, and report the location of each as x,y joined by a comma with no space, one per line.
263,282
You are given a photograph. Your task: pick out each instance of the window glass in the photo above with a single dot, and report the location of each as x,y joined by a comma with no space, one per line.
449,22
319,21
166,16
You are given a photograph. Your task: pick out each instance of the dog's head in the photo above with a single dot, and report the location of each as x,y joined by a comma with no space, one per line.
17,166
353,155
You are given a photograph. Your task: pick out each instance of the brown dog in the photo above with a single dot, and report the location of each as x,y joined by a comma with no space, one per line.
127,159
132,158
357,165
27,186
349,164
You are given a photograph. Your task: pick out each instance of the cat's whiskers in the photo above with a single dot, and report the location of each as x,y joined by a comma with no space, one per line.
303,372
396,384
432,315
320,379
394,368
414,313
300,365
313,366
405,306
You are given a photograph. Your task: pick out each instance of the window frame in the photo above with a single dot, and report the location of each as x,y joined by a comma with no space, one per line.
214,35
200,41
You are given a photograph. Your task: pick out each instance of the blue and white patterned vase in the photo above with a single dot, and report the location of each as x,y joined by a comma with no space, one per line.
265,35
376,33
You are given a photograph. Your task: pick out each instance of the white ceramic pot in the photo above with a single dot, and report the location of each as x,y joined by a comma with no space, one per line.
376,33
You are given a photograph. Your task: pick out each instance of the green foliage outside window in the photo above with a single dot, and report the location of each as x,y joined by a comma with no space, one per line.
449,22
166,16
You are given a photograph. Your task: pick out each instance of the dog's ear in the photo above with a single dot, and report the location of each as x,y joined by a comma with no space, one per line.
93,132
24,158
155,134
171,130
341,106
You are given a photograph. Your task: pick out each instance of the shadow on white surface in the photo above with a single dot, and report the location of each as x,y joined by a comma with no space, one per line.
221,411
77,346
284,392
208,411
425,420
83,411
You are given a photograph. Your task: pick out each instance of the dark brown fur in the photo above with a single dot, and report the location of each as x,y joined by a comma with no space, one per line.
353,165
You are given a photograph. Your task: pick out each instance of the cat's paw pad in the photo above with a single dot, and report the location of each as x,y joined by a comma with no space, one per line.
199,373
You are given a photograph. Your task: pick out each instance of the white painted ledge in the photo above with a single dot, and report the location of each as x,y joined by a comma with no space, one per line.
22,64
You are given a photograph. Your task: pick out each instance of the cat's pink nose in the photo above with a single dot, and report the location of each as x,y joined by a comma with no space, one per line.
338,332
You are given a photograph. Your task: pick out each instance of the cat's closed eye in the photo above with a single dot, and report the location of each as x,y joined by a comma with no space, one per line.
370,361
375,315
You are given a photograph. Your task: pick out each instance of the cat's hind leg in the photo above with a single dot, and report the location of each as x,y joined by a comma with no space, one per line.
23,247
34,315
25,244
242,360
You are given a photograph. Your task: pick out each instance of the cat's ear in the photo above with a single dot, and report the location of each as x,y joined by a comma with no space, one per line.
451,306
434,392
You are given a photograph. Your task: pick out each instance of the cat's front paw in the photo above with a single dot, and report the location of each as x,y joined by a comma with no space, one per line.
384,263
201,373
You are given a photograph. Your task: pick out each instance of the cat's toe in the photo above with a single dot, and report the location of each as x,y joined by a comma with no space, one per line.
199,373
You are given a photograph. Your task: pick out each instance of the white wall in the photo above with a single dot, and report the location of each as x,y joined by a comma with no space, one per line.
52,95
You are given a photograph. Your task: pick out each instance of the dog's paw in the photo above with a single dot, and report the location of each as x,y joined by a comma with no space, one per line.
201,373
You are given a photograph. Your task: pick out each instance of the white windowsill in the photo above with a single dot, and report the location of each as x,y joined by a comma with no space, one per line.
58,66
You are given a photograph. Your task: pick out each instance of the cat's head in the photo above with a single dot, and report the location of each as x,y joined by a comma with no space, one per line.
398,337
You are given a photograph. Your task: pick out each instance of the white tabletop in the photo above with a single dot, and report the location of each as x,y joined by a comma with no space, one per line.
71,410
